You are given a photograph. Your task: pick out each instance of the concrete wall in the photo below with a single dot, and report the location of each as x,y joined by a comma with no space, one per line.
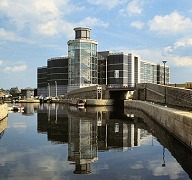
3,111
99,102
168,95
178,123
87,93
89,102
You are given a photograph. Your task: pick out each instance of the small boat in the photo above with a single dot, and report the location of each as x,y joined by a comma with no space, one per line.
43,99
80,103
77,102
18,108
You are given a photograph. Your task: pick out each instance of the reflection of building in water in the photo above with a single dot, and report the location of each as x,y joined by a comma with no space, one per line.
102,130
118,134
122,135
53,121
3,126
115,133
29,108
82,143
88,131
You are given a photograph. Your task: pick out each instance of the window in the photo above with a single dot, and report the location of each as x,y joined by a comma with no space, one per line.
116,74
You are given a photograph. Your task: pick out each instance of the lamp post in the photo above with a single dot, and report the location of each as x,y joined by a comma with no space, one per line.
164,80
164,62
163,165
49,89
55,88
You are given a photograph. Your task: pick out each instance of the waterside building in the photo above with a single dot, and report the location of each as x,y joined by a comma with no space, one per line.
85,66
52,80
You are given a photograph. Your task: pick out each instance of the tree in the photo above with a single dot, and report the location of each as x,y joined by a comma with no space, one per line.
14,90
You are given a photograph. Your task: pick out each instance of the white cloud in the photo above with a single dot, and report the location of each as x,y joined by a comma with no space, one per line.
183,43
158,56
19,126
91,22
18,68
180,53
48,28
1,62
152,54
10,36
38,17
137,24
184,61
171,172
137,165
172,23
134,7
107,3
43,18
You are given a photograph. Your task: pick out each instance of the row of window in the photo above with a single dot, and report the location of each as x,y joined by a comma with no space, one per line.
82,45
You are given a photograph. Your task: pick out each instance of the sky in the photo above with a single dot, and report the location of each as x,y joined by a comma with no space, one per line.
32,31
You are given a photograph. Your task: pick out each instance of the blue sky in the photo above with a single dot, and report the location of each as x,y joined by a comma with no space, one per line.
33,31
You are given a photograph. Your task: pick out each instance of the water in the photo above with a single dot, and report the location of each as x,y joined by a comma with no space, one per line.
61,142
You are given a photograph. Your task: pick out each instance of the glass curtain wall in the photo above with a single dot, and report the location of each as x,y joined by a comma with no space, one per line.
94,64
82,63
85,65
74,63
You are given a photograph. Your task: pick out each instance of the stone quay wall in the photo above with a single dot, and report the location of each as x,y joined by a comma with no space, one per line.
176,122
3,111
164,94
177,149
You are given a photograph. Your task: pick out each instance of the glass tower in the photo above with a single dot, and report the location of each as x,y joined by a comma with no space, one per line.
82,53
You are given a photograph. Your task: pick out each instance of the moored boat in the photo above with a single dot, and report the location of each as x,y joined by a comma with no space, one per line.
77,102
81,103
18,108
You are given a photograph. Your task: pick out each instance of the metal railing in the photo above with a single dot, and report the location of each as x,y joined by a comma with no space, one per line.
131,85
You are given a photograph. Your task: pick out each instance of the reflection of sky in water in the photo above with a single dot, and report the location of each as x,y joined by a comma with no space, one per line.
144,160
24,153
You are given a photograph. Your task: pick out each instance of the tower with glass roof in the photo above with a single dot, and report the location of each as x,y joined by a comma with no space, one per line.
82,64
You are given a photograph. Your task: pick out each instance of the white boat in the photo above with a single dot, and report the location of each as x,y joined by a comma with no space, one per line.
18,108
80,103
77,102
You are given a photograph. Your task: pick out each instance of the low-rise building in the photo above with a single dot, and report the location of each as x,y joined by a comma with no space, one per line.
57,76
27,93
42,83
